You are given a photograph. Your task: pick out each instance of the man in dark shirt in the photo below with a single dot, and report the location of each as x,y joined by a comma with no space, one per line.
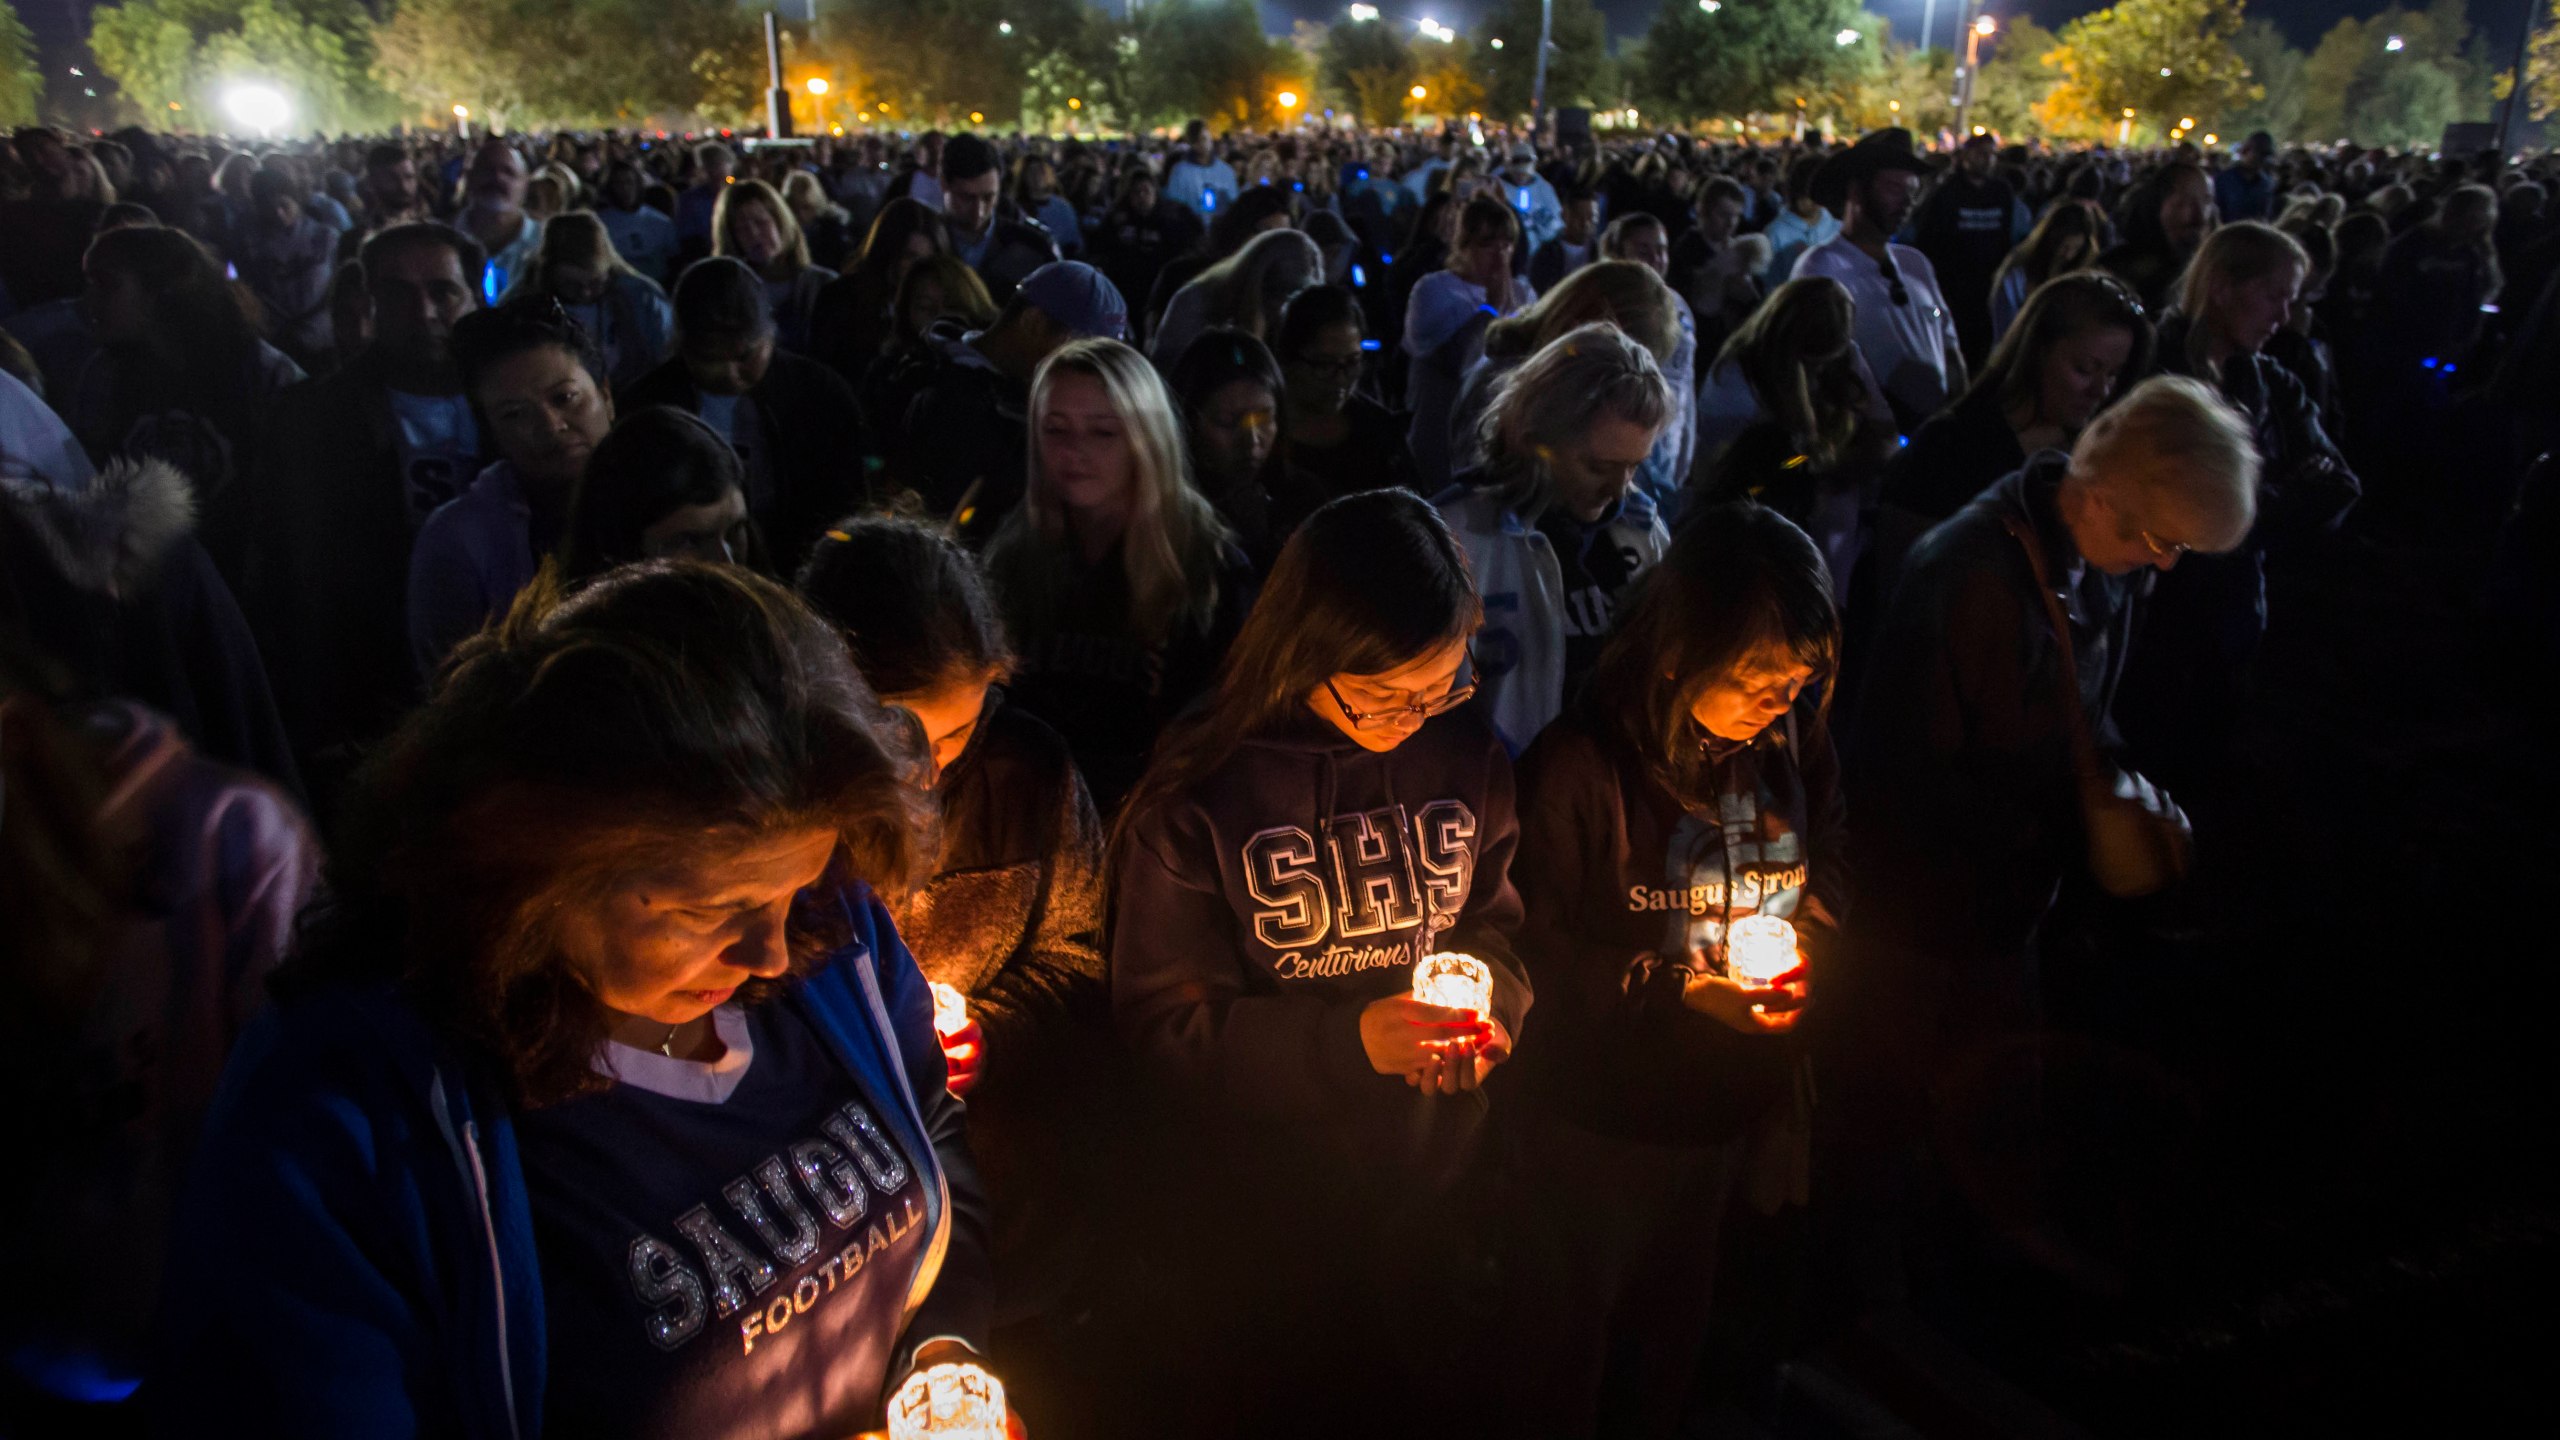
1966,227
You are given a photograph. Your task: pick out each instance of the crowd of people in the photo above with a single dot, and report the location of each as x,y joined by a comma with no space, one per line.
527,661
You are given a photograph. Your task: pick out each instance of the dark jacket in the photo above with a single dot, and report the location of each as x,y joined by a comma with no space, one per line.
356,1255
1551,262
1966,228
966,441
1012,918
109,583
812,431
1259,910
1968,804
1623,880
1015,248
1131,250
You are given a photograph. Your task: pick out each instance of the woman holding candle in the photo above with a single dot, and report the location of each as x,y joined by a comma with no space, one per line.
1011,916
1690,799
1326,821
604,1098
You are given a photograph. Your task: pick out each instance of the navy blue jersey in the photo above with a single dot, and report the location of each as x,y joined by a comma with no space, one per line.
736,1269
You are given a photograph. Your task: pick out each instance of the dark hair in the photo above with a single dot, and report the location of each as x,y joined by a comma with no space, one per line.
721,296
1800,176
1722,187
1217,358
579,740
272,182
1316,308
1235,226
966,157
1482,214
124,213
383,155
2060,308
1737,577
485,338
203,320
652,462
911,602
2037,254
467,252
1366,584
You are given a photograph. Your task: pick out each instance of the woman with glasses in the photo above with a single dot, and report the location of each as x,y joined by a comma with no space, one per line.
1228,387
538,391
1692,786
1121,585
1553,524
1334,439
1331,816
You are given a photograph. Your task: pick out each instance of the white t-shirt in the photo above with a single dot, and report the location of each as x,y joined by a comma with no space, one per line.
1906,345
439,449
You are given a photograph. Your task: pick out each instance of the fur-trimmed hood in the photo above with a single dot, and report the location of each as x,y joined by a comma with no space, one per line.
110,536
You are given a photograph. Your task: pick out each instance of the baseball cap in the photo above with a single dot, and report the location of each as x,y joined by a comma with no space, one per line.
1081,299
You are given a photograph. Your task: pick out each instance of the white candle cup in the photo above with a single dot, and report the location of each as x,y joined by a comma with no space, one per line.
1455,982
951,1401
950,1010
1758,949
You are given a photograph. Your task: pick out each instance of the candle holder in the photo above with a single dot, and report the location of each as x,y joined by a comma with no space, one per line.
1454,982
952,1401
1758,949
950,1010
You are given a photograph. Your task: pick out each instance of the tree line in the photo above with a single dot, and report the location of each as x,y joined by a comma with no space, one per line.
2144,70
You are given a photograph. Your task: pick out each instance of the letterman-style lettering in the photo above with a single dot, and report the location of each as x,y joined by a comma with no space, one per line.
1280,874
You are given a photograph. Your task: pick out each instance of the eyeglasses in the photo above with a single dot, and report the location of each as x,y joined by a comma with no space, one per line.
2164,549
1380,719
1893,278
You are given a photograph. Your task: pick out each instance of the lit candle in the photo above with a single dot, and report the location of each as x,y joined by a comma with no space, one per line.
952,1401
1758,949
1454,982
950,1010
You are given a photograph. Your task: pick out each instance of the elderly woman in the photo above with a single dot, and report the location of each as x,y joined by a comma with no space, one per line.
604,1099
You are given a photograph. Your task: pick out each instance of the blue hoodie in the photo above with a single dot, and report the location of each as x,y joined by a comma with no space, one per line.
355,1254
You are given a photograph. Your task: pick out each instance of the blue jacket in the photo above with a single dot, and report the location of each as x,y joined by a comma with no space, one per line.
355,1254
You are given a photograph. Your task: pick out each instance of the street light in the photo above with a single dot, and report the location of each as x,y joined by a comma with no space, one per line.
1360,13
817,85
1288,99
1711,6
1418,92
262,108
1004,27
461,112
1845,39
1974,34
1984,26
2395,44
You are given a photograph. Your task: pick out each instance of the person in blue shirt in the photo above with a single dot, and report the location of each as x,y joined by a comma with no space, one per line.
2247,191
603,1097
1200,179
645,239
1527,191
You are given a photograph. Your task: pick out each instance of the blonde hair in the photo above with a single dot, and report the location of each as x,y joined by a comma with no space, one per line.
795,246
1169,551
963,293
2241,253
1237,287
1794,352
575,237
1553,396
2183,449
801,183
1625,293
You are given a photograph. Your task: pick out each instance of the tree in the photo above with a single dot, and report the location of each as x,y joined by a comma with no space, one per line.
21,77
165,54
1749,56
1368,68
2156,58
1209,58
1577,69
2541,72
2356,85
2014,79
2277,69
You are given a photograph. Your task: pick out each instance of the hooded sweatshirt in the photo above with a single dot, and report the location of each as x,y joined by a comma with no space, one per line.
1257,911
1634,889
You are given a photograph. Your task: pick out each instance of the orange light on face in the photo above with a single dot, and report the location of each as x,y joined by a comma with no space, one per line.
1758,949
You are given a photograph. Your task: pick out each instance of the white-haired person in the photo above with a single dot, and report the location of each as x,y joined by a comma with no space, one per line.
1553,523
1986,773
1120,584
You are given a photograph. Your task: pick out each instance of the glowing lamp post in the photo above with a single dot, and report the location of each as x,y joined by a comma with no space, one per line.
1454,982
953,1401
950,1011
1758,949
262,108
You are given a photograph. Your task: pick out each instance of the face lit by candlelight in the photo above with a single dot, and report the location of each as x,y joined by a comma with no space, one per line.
1756,694
1380,712
670,945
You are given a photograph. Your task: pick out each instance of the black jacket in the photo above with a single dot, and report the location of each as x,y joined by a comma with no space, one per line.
965,442
1621,879
108,583
1968,803
329,565
812,431
1015,248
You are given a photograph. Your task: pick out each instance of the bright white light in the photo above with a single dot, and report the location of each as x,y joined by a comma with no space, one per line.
818,85
262,108
461,112
1845,38
2395,44
1984,26
1711,6
2164,72
1497,42
1363,12
1004,27
1434,30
